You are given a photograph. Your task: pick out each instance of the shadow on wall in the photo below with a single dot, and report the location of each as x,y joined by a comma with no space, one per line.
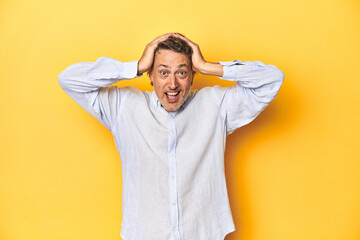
276,120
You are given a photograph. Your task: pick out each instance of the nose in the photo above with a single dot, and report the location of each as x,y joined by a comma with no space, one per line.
173,83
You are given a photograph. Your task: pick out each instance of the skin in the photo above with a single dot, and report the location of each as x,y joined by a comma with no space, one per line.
172,74
171,78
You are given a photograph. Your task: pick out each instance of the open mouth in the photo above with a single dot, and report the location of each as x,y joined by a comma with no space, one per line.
172,96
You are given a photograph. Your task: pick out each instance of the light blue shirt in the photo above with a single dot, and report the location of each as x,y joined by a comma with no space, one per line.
172,162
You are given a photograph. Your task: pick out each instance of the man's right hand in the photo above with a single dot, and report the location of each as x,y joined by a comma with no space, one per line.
147,57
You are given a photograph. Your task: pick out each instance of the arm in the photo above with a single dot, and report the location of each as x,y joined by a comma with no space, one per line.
257,84
87,84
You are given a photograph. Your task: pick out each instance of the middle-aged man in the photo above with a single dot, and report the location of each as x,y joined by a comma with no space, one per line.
172,140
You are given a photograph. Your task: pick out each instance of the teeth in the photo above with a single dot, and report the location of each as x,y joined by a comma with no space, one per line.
172,93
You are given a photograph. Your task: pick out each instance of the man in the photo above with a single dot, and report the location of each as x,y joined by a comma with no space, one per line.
172,140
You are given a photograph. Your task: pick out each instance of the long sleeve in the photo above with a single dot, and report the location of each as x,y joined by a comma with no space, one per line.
257,84
87,83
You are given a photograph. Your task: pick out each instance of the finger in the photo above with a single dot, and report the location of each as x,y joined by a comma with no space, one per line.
185,39
161,38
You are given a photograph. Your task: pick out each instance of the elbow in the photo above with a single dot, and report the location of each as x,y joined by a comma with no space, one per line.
278,75
281,76
275,75
279,81
274,88
65,77
65,81
278,78
61,80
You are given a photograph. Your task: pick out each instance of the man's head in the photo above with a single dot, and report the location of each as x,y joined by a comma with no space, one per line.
171,73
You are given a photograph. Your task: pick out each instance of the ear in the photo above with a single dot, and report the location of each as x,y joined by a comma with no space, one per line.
192,78
151,79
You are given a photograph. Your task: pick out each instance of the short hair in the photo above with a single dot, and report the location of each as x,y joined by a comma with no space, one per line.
175,44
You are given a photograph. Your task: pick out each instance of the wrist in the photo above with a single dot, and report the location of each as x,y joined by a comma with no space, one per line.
140,69
209,68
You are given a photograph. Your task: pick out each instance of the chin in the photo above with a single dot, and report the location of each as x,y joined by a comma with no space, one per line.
171,108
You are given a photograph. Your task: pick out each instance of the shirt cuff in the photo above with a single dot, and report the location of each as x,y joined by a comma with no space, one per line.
109,68
131,69
232,69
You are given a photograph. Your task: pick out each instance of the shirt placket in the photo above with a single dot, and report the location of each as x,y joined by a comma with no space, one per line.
174,216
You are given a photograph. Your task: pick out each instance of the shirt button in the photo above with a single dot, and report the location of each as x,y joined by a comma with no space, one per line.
172,132
171,155
171,114
173,204
173,177
174,229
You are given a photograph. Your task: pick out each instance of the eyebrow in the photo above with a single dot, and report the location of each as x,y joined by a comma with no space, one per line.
179,66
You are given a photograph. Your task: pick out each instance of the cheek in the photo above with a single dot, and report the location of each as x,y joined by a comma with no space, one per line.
158,88
186,84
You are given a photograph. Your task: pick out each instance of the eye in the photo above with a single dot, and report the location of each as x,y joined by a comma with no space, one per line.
163,73
182,73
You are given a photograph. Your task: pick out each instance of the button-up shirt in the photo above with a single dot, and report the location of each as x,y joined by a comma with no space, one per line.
174,183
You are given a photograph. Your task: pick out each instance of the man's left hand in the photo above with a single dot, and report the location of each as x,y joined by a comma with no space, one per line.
198,62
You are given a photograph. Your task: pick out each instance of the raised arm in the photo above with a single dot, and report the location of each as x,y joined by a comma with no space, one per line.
257,84
87,83
198,62
147,57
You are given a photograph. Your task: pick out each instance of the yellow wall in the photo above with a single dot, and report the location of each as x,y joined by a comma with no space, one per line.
293,173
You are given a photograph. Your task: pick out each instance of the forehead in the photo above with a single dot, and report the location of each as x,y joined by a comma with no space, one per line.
170,58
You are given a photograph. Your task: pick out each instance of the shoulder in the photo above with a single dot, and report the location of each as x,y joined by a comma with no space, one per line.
126,91
207,98
116,93
213,93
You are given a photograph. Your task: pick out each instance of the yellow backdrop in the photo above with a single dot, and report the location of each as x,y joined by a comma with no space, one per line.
293,173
